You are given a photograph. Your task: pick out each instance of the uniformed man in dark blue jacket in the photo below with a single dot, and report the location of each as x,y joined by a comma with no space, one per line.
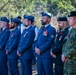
4,36
25,47
11,47
56,50
45,40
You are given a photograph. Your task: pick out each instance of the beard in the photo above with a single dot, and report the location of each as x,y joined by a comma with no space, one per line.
60,28
24,24
12,27
43,23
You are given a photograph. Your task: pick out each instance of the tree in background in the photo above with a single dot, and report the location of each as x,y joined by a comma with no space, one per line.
13,8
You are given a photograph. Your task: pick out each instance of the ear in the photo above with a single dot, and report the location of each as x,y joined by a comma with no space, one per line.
75,19
49,19
64,24
29,22
5,23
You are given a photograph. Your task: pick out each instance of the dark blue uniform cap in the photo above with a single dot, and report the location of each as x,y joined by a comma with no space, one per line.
30,18
15,20
72,13
64,18
19,17
25,16
12,19
46,14
4,19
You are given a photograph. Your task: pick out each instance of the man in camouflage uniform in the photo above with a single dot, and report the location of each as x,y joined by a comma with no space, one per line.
69,47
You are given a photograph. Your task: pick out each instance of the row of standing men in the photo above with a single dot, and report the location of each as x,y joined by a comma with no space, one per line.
45,44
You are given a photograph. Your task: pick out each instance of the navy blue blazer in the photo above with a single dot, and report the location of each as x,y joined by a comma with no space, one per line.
4,36
45,40
25,46
13,42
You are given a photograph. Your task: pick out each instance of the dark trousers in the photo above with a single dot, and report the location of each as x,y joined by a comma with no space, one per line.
58,69
26,66
44,66
3,65
13,66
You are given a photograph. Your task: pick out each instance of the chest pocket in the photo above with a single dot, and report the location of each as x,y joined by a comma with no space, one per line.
72,40
73,37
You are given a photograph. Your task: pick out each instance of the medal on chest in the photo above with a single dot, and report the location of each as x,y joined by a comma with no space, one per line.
12,34
25,34
45,32
60,38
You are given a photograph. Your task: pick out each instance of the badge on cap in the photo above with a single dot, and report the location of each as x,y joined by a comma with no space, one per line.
72,13
46,14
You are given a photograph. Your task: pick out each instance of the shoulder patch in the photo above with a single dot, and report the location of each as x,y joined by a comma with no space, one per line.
52,36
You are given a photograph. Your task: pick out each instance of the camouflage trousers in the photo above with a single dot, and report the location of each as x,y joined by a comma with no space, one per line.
70,67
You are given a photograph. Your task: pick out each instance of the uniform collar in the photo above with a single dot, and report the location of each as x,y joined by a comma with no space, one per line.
4,28
65,28
14,29
47,25
73,29
33,25
70,28
28,27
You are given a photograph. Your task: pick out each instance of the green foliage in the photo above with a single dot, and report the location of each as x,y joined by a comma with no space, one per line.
62,6
13,8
